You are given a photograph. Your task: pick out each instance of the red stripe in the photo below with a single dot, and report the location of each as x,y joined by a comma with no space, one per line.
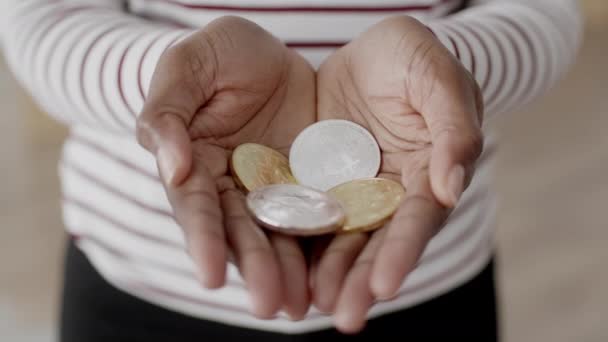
116,192
53,48
190,299
319,9
64,72
472,228
556,20
37,44
469,48
47,29
101,150
119,80
475,253
484,46
173,269
28,11
529,45
83,66
517,68
104,217
492,97
128,258
550,70
141,63
456,50
139,81
102,90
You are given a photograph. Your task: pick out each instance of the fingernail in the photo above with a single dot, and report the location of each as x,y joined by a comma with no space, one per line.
166,164
384,297
382,292
201,275
347,323
379,287
260,308
456,183
294,316
343,318
323,305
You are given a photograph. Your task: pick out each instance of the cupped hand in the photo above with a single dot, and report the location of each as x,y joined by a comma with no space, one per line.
227,84
425,110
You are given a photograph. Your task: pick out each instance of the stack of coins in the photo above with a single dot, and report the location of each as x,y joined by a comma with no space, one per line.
328,184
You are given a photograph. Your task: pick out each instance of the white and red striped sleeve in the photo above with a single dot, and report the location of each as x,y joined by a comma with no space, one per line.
84,62
516,49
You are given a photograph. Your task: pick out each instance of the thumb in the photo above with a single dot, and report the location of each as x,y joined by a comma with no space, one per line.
452,162
178,89
454,116
167,138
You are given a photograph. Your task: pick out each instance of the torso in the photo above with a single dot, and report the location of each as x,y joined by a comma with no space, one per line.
116,204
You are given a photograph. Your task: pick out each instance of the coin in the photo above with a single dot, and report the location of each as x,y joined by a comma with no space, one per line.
333,152
255,165
369,203
295,209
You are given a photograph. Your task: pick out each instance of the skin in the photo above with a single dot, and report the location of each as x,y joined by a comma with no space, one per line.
232,83
225,85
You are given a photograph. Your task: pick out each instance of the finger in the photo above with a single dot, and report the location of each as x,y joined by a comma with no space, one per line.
317,247
333,267
294,275
416,221
453,158
356,297
167,138
254,256
197,210
449,100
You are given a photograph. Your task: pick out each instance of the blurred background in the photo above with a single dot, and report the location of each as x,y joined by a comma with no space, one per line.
551,178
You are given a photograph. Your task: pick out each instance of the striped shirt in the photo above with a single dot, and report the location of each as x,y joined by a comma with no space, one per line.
89,63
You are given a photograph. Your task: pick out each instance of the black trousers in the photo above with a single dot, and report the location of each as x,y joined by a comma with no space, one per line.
93,310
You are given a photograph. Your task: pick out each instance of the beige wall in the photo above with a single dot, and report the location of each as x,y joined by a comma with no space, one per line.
597,11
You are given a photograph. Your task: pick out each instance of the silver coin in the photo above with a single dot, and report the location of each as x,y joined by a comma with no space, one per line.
295,209
332,152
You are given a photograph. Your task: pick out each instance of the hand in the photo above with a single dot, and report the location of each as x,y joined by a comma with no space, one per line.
425,111
228,84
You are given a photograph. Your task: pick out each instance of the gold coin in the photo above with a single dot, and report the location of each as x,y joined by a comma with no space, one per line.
369,203
255,165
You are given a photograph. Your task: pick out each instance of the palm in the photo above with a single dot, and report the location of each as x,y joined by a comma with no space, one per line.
378,101
268,102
